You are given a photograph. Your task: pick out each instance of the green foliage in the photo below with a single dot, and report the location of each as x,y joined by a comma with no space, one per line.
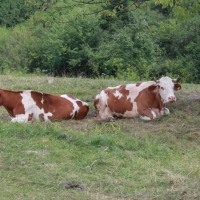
128,74
126,39
13,53
131,47
14,12
82,38
181,8
180,49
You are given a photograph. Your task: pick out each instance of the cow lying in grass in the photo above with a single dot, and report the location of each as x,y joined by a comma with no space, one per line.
28,105
146,100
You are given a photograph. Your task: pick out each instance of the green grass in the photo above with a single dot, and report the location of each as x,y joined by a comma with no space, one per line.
119,159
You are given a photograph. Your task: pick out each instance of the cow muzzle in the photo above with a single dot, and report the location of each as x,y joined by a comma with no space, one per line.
171,99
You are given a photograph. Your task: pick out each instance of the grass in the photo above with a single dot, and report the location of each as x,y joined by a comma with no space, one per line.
120,159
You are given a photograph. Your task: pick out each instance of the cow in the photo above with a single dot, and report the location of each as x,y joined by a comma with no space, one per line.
145,100
28,105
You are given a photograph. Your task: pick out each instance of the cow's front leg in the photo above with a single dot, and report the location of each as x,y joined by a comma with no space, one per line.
105,114
19,117
149,113
165,111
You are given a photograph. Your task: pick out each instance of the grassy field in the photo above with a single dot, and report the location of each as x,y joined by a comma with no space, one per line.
93,159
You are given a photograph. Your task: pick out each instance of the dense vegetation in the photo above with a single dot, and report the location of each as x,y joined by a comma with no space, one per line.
126,39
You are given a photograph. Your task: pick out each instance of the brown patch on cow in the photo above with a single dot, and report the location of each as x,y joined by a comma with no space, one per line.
60,107
30,117
82,111
157,112
12,102
177,86
38,98
63,108
153,88
116,104
149,100
138,84
122,89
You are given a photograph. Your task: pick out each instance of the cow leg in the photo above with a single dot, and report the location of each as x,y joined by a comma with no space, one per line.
21,117
105,114
149,114
102,109
156,112
108,113
165,111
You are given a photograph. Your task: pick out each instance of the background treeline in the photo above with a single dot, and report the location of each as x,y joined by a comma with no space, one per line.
126,39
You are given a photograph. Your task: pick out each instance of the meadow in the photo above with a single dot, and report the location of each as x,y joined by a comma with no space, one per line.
92,159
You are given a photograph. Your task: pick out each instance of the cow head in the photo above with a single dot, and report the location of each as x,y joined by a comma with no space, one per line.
167,87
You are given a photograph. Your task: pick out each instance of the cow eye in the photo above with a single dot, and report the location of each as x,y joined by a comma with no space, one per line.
162,88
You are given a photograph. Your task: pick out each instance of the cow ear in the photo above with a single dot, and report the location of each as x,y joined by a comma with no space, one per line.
177,86
153,88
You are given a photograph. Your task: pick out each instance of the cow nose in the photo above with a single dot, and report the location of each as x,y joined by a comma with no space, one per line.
172,98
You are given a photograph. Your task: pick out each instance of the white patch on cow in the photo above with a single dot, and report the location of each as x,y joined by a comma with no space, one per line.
107,114
42,101
20,118
133,93
145,118
75,105
104,111
154,114
165,111
84,103
166,89
117,94
116,87
130,113
135,90
97,96
30,107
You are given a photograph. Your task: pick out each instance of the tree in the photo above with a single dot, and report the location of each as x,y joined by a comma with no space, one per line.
181,8
130,47
13,12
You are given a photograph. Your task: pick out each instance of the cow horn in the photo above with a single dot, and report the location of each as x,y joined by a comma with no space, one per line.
157,81
176,79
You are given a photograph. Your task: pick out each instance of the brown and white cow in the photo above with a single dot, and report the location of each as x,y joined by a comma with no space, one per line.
28,105
146,100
